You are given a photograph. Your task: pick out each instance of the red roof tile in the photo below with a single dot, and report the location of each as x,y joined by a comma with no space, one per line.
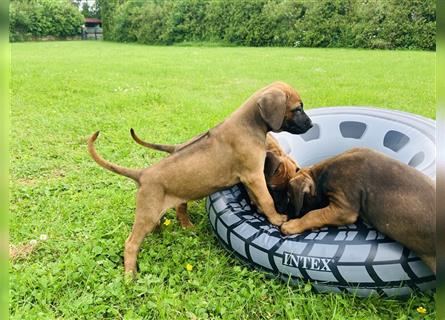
93,20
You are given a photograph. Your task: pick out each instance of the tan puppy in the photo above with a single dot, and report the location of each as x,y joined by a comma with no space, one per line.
181,209
396,199
279,168
232,152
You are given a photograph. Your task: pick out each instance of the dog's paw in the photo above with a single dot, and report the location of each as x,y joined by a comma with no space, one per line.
130,275
290,227
278,219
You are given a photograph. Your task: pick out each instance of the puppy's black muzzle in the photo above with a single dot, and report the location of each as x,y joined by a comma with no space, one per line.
297,126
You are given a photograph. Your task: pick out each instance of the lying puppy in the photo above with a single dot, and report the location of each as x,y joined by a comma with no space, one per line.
279,168
396,199
232,152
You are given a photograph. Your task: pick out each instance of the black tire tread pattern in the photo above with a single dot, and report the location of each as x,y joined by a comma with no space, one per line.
353,259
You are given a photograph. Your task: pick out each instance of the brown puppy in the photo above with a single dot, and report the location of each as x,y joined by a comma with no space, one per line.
279,168
396,199
232,152
181,209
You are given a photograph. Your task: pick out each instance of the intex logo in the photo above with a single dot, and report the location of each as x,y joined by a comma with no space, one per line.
311,263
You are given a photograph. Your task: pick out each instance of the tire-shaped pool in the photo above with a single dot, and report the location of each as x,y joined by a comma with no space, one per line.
354,258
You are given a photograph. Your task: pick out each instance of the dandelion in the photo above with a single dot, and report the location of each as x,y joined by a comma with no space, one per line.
33,242
189,267
421,310
167,222
43,237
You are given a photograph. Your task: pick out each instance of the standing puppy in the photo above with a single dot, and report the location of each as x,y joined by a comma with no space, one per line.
232,152
396,199
279,168
181,209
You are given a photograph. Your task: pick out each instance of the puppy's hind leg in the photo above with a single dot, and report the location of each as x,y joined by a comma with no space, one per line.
149,210
183,217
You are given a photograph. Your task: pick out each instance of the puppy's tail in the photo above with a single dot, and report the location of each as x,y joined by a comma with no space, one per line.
130,173
161,147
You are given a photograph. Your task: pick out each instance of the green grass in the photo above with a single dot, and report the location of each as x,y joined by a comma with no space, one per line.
61,92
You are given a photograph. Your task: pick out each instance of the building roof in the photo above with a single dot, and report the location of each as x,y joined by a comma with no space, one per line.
92,20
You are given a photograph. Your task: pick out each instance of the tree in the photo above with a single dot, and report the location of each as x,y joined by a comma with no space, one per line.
85,10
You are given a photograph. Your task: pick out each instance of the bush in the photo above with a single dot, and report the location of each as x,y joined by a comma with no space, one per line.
39,18
107,14
392,24
389,24
326,24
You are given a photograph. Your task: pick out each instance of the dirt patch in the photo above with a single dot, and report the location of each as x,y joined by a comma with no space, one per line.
21,251
26,182
29,182
58,173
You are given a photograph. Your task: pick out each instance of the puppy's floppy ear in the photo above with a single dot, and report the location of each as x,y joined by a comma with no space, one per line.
272,106
271,164
300,185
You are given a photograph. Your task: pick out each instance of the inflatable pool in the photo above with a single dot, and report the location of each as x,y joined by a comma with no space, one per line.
354,258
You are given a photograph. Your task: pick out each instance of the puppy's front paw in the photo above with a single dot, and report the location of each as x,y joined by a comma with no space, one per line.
291,227
278,219
130,275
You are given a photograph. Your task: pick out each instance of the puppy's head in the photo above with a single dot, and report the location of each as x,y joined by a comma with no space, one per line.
278,171
281,108
300,186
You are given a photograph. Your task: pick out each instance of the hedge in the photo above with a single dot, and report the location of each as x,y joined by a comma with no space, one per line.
40,18
389,24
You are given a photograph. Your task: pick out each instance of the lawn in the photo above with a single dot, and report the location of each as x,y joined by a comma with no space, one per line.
61,92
